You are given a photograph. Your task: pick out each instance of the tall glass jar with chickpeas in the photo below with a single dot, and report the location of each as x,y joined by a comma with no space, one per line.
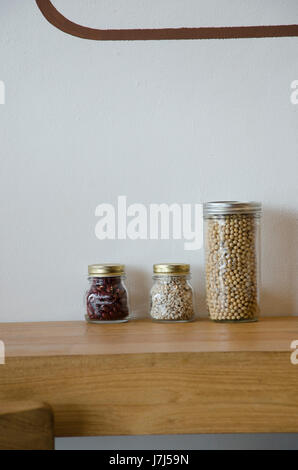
232,260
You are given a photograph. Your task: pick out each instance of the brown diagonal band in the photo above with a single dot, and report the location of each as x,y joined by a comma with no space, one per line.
61,22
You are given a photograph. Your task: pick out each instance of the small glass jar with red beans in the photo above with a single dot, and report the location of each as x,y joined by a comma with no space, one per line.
107,296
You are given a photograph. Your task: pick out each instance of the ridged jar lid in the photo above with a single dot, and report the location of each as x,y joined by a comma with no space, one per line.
171,268
231,207
106,269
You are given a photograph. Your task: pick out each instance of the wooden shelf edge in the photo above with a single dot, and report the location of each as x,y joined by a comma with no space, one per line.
72,339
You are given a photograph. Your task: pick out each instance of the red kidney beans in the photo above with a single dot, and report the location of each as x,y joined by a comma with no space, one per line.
107,299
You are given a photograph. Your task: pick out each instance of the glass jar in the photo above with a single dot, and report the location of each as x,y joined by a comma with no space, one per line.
171,293
107,296
232,260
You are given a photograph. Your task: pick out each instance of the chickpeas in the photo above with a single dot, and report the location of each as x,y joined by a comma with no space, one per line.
231,268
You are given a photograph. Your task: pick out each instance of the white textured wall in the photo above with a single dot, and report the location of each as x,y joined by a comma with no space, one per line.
183,121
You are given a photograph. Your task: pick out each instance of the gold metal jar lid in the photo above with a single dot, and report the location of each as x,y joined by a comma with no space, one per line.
106,270
171,268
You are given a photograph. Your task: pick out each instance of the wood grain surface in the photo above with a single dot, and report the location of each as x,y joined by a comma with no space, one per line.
26,426
149,378
144,336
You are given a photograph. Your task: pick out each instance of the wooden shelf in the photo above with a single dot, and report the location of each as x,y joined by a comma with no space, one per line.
152,378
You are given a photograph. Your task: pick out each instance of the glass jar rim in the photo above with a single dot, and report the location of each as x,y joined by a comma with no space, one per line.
106,276
231,207
167,275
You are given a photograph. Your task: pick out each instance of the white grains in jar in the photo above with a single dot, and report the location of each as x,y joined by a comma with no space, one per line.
171,293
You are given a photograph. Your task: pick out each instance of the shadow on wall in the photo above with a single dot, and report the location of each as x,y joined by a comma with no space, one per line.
198,285
279,263
139,285
279,268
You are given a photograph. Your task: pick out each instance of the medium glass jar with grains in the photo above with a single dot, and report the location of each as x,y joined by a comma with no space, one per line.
107,297
232,260
171,293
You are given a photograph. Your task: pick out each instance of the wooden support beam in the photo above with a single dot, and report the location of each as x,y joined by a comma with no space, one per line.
26,426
